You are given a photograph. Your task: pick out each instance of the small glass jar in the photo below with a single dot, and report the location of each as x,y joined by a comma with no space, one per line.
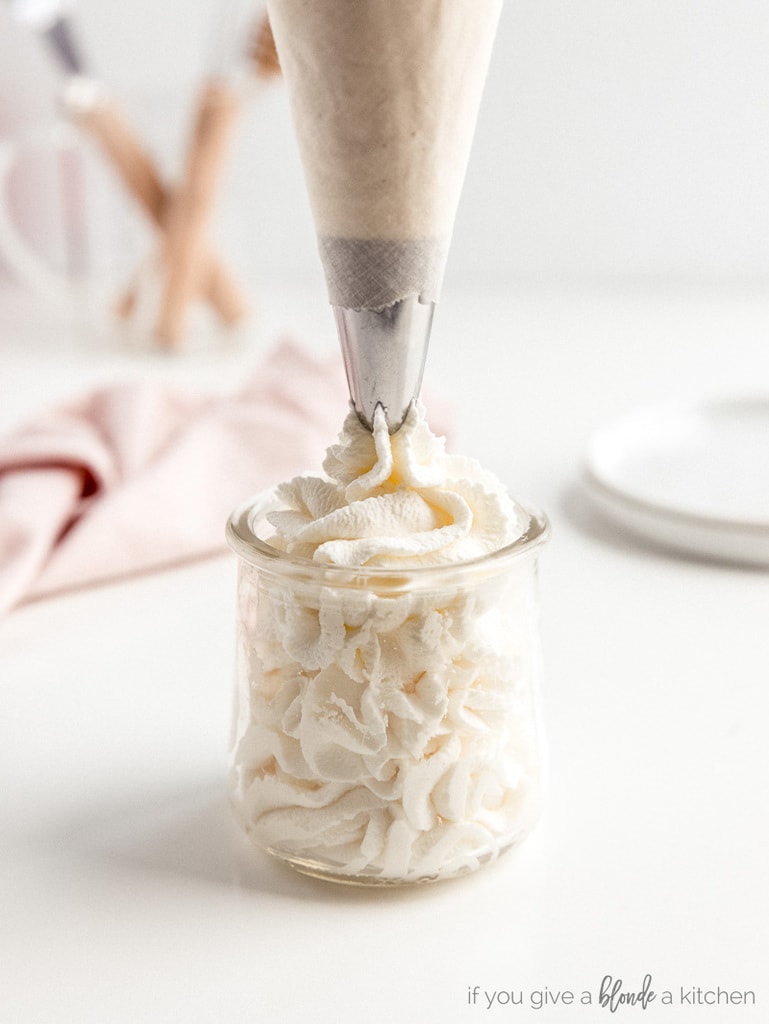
386,727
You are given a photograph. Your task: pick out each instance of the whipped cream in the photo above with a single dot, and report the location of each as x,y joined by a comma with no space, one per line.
395,500
390,732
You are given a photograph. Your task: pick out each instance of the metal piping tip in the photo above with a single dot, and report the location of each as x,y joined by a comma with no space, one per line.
384,353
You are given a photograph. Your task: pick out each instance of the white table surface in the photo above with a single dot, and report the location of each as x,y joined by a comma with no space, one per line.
126,894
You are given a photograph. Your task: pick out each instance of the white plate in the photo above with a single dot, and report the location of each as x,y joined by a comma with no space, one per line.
690,477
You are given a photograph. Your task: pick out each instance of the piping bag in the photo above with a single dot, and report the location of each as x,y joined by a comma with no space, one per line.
384,95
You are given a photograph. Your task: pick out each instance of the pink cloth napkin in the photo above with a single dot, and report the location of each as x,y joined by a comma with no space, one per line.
139,476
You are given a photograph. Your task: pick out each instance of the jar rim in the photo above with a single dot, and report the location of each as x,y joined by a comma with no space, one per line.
244,540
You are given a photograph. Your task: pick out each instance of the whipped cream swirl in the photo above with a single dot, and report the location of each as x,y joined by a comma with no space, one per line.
395,500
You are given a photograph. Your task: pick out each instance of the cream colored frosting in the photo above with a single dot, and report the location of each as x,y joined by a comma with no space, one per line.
390,735
395,500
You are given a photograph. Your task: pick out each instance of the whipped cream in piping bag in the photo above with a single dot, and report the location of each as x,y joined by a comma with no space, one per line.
387,724
384,96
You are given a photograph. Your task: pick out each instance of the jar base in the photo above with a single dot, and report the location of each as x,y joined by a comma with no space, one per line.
327,873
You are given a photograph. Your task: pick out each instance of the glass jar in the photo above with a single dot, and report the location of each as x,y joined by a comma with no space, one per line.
387,726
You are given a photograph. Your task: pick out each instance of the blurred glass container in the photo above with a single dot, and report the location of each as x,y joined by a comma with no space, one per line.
69,232
387,724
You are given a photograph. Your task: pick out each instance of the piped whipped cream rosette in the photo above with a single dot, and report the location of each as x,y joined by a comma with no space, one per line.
384,96
387,725
395,499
